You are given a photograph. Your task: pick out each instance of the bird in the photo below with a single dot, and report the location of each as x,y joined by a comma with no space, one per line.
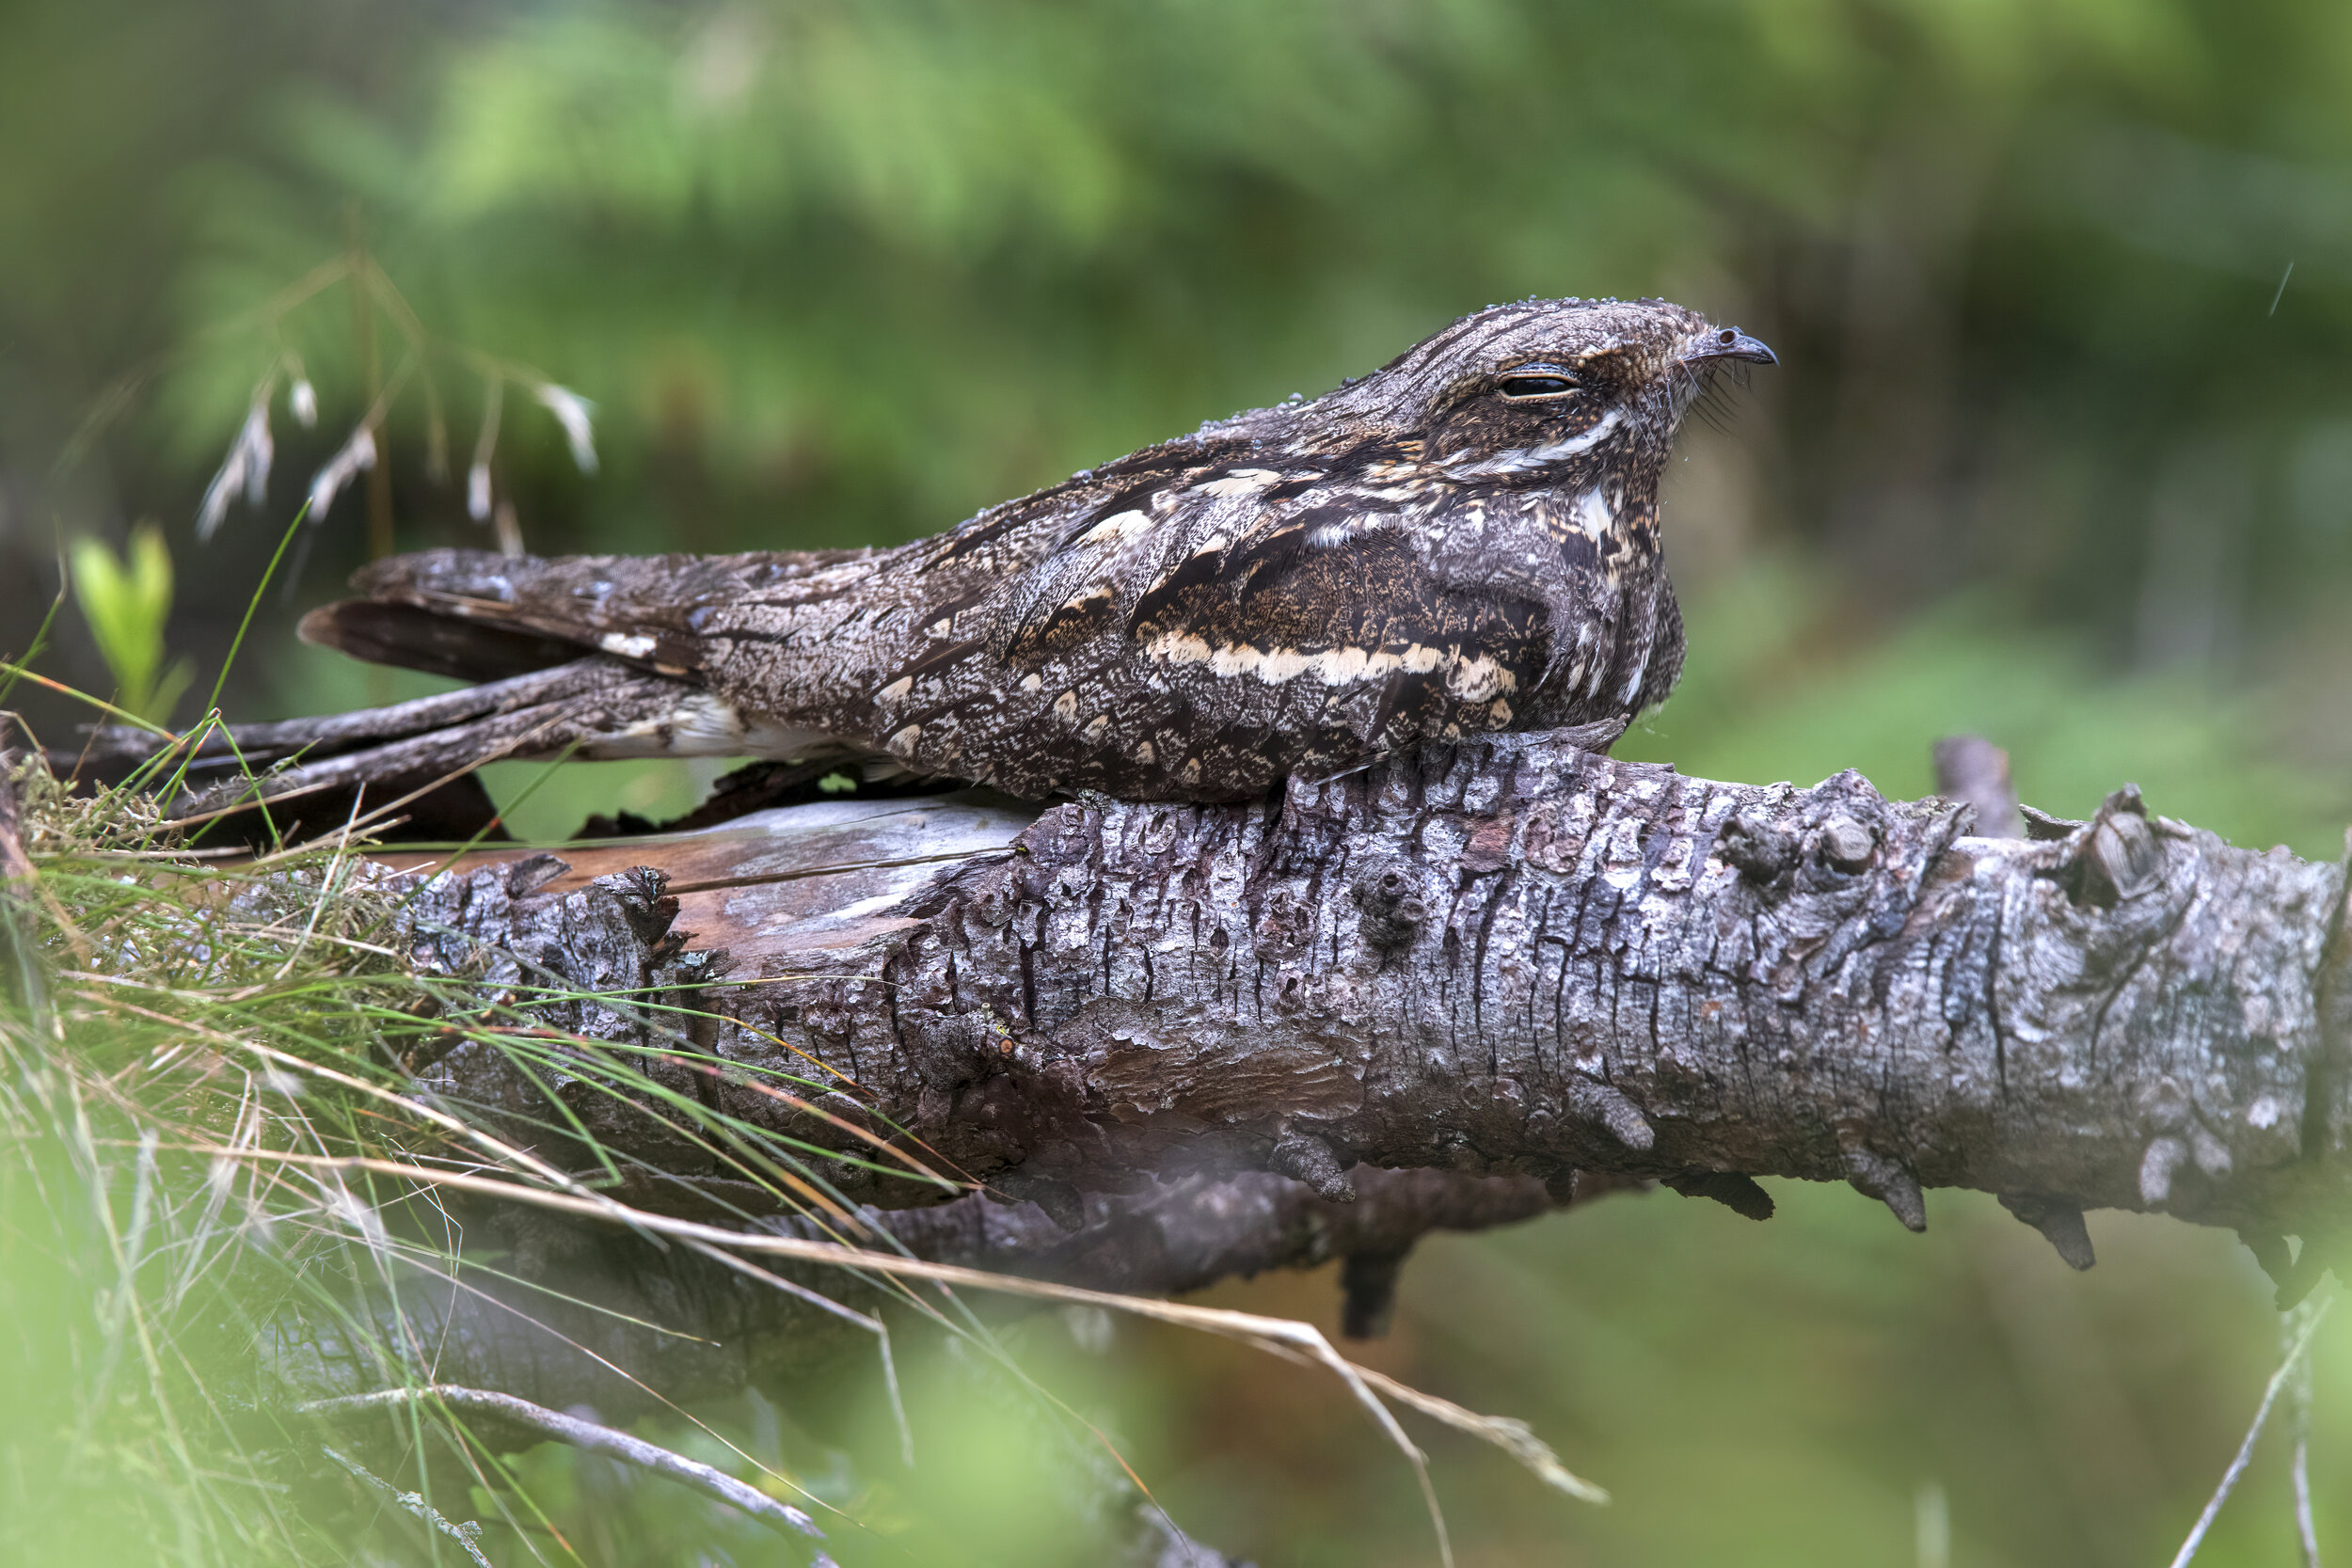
1465,541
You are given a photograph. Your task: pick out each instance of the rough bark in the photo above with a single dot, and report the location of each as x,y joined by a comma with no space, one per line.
1443,992
1511,958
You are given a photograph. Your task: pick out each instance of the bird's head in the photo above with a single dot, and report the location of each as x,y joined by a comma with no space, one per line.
1548,391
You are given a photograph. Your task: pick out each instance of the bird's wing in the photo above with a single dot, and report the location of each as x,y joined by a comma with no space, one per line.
1206,628
776,629
476,615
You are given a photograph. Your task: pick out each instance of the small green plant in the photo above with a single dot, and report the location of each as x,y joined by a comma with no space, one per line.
126,601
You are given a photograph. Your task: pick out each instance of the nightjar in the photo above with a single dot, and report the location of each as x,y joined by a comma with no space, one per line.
1465,540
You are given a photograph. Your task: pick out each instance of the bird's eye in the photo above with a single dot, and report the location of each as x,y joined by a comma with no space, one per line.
1537,386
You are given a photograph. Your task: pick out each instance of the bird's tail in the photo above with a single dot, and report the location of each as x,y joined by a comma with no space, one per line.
586,657
415,760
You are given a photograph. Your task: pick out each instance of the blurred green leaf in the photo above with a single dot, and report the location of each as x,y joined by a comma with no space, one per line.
126,604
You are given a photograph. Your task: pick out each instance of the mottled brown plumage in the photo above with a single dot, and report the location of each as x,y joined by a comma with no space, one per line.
1465,540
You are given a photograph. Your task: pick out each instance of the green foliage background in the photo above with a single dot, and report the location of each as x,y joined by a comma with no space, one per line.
2059,451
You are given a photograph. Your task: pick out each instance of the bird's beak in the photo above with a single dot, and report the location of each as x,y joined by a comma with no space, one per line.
1728,343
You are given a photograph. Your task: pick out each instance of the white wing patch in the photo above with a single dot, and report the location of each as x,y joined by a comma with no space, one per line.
1473,679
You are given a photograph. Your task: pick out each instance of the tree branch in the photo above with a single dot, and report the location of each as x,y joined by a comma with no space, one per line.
1513,957
1447,992
536,1422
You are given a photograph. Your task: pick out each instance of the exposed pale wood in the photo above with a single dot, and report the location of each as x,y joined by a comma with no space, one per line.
789,880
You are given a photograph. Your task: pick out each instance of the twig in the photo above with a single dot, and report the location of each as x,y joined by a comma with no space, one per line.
465,1534
1507,1433
589,1436
2299,1429
2246,1449
1970,767
1301,1337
